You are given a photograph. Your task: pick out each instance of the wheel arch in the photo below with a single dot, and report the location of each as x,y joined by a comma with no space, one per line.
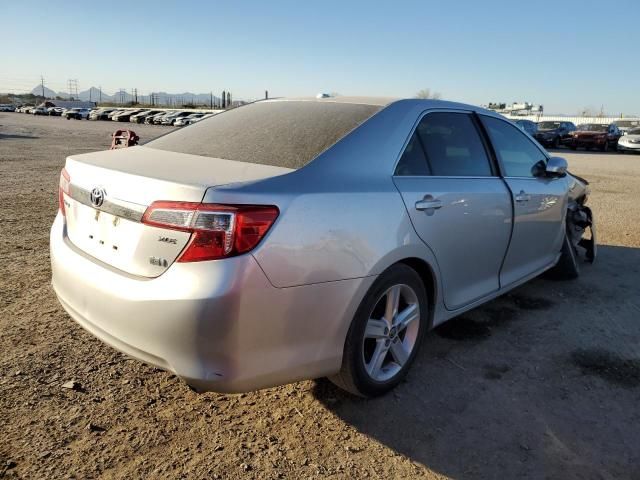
428,277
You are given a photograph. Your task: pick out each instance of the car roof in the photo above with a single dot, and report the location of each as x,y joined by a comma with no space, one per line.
408,103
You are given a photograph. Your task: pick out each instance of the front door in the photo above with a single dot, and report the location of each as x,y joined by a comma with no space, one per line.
539,202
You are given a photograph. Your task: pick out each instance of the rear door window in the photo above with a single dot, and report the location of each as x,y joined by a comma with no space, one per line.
413,161
445,144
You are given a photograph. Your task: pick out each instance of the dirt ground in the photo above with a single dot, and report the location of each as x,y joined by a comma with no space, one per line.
541,383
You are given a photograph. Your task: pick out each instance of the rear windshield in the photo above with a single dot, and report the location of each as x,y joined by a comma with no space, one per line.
593,127
283,133
548,125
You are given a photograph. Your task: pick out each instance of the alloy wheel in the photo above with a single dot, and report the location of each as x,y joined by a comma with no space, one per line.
391,332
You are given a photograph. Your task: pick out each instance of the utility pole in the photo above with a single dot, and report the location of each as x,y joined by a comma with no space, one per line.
42,85
211,100
100,87
266,94
73,88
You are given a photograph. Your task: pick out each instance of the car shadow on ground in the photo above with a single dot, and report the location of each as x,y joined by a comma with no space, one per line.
19,137
540,383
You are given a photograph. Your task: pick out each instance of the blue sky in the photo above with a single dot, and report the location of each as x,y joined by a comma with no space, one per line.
565,54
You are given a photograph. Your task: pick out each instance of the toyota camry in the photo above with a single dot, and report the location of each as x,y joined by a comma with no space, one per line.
301,238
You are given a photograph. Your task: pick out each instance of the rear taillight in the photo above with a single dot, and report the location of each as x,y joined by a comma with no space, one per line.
63,188
218,231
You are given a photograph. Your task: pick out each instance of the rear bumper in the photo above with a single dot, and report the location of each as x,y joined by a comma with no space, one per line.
220,325
585,142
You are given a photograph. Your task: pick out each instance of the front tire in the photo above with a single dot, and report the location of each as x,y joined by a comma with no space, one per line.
567,267
385,334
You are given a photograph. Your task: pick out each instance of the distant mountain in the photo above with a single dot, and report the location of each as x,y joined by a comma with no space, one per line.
94,95
37,90
160,98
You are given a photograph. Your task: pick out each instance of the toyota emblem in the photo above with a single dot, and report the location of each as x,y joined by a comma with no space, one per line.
97,196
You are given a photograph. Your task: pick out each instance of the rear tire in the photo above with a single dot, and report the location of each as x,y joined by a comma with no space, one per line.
378,353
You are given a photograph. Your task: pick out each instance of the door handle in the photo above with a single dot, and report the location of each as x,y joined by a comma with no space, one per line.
523,197
428,202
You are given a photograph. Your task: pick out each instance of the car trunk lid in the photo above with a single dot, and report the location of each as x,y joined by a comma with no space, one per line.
110,191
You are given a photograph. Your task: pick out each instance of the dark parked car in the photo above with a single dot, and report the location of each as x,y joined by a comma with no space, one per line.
592,135
527,126
554,134
625,125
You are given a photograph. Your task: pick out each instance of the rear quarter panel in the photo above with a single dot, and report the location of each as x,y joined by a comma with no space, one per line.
325,236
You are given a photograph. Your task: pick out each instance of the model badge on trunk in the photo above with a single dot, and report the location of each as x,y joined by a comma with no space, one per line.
168,240
160,262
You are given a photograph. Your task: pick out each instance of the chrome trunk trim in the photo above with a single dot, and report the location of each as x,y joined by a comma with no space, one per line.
119,208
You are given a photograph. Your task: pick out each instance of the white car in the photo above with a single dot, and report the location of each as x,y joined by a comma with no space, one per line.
183,121
77,113
630,142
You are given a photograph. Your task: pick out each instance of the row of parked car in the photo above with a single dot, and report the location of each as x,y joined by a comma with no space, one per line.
622,135
147,116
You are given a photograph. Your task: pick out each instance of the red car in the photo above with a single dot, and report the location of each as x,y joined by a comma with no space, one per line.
592,135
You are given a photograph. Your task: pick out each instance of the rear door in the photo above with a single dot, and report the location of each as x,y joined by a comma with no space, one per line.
539,202
458,205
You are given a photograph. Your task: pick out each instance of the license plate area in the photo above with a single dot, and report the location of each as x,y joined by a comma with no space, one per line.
124,244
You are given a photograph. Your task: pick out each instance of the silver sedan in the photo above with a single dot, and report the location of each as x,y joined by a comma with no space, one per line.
630,142
304,238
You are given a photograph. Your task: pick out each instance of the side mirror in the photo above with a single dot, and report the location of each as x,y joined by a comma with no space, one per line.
556,166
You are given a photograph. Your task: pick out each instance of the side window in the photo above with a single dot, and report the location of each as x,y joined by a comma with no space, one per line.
451,146
519,155
413,161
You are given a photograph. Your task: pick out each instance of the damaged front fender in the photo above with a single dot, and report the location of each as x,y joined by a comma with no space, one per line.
581,229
